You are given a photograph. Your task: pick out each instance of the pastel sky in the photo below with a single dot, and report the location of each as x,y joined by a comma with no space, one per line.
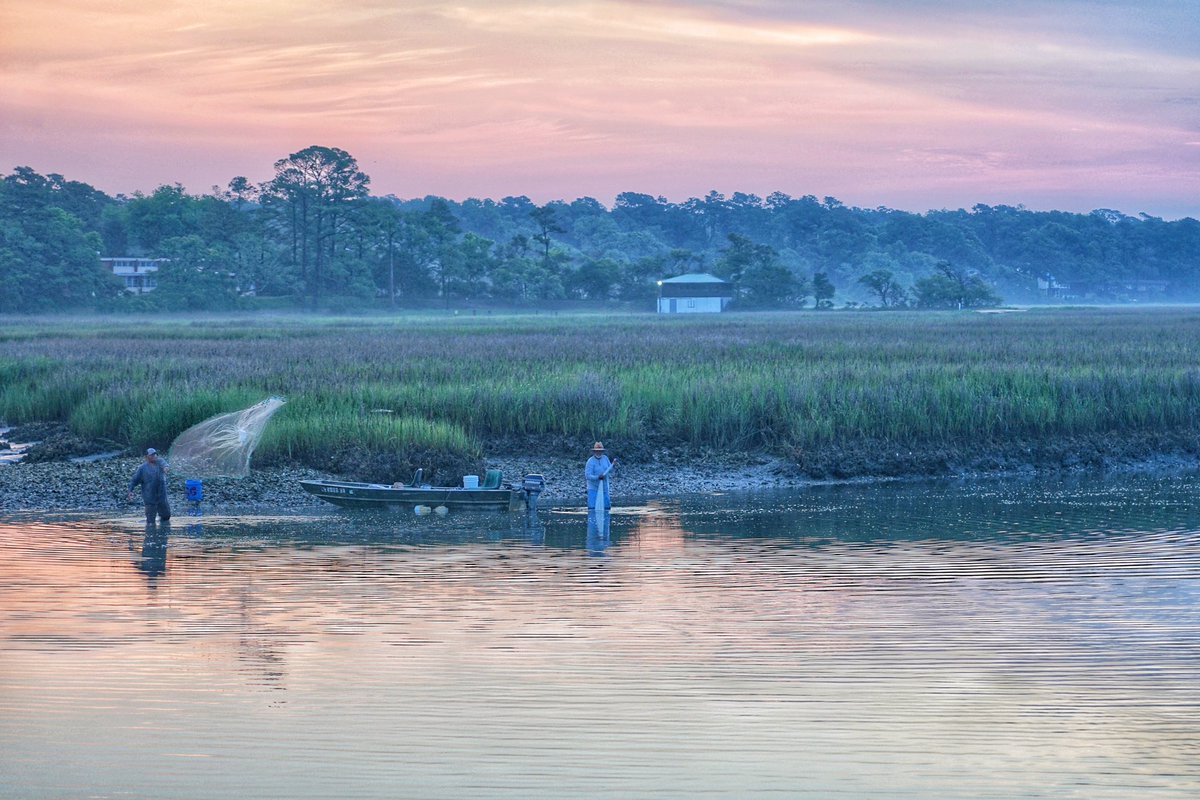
915,104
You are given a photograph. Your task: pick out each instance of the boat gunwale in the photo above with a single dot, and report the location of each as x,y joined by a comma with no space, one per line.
368,494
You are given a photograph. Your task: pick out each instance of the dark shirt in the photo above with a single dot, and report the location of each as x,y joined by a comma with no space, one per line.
153,480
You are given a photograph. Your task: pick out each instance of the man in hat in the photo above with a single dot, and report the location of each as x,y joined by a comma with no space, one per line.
151,475
596,472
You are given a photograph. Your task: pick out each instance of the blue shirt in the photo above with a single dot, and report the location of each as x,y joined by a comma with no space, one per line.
594,469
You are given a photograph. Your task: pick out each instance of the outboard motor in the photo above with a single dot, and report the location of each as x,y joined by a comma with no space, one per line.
532,486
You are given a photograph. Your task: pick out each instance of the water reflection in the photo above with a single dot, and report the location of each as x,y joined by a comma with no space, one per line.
599,531
534,529
153,561
925,641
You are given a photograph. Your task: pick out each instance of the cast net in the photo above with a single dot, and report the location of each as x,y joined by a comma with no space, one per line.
221,446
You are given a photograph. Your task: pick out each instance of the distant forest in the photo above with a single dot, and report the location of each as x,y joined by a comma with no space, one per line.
313,236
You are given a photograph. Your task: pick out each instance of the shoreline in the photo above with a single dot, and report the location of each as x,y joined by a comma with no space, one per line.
60,486
100,485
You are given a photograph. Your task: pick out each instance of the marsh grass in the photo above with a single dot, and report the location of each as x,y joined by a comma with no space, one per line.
775,381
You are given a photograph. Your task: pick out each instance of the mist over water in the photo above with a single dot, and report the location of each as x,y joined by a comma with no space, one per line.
943,640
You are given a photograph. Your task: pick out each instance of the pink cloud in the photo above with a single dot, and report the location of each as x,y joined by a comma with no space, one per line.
561,99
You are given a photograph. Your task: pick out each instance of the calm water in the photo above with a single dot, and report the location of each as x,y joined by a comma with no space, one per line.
997,640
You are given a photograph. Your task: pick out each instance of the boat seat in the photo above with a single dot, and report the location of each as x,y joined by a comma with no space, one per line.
417,478
492,479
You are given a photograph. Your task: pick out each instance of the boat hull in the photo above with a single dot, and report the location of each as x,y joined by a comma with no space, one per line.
378,496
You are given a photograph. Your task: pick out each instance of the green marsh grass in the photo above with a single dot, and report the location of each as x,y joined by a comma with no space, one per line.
740,382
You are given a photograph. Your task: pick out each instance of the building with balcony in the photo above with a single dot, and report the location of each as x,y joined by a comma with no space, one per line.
138,273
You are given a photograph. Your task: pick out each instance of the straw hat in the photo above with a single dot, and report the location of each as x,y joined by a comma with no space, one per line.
597,448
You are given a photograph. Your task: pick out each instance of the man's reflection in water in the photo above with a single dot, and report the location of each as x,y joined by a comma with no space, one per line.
154,551
598,532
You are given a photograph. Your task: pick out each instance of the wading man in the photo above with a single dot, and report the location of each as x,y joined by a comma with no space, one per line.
152,477
596,473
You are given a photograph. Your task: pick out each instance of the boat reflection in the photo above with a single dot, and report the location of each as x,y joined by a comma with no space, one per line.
534,528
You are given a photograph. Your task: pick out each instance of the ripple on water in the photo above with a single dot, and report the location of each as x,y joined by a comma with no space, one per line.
942,640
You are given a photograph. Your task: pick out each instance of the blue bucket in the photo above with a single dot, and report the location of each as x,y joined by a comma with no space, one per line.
195,491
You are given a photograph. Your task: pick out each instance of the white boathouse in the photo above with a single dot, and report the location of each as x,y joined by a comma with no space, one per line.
694,293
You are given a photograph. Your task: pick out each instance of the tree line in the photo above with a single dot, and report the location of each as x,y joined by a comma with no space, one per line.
314,236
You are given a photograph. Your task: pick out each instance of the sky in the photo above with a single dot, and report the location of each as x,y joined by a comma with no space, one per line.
1067,104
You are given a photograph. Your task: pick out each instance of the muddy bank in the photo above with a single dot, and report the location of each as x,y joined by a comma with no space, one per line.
644,470
1132,451
48,479
102,485
52,441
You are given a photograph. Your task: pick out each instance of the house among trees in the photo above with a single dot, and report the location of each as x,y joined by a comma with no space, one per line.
138,273
1051,288
314,236
694,293
1128,290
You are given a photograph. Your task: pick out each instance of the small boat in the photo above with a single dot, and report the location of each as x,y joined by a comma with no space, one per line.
492,495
